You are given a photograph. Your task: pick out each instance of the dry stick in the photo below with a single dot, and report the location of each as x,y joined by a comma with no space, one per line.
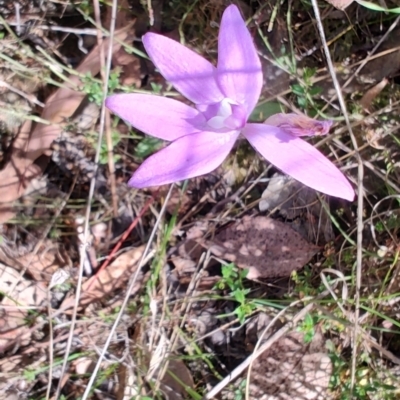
55,28
106,114
359,183
126,299
85,243
35,251
111,164
50,346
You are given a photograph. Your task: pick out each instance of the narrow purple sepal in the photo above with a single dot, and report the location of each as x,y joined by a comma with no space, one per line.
186,157
191,74
299,159
157,116
239,67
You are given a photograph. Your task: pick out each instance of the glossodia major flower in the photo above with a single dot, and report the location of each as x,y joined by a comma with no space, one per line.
224,97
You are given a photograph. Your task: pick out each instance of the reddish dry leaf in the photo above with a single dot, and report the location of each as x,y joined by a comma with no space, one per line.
110,279
267,247
20,293
30,145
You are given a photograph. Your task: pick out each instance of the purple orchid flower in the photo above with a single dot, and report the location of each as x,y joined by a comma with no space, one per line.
224,97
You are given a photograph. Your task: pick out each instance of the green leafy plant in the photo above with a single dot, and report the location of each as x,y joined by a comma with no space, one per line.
307,327
94,87
240,391
148,145
115,139
232,278
368,381
306,90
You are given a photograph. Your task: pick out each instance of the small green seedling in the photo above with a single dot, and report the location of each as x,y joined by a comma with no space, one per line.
232,278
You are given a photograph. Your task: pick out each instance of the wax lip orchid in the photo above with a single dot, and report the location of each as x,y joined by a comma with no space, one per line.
224,97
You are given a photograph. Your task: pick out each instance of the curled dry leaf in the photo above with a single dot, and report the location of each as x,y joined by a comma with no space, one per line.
19,295
31,144
110,279
173,384
292,369
374,137
267,247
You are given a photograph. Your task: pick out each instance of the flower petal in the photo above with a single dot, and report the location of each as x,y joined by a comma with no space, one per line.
187,157
191,74
155,115
298,159
239,67
299,125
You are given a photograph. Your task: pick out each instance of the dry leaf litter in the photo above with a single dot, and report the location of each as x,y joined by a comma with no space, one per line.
39,274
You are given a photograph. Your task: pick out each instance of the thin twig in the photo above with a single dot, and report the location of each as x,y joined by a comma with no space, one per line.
127,296
85,243
105,118
35,251
75,31
360,177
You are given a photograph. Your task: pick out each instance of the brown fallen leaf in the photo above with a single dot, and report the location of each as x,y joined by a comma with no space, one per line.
173,384
129,63
13,380
340,4
40,266
292,369
112,278
30,145
372,94
267,247
130,68
19,294
172,373
175,379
